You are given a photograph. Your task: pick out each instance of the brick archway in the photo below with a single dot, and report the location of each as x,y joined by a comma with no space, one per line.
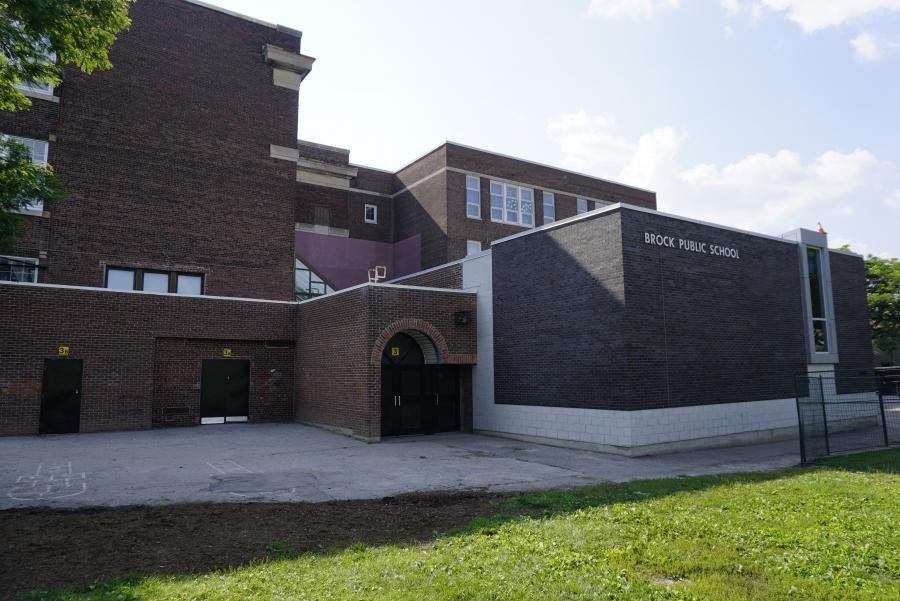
417,325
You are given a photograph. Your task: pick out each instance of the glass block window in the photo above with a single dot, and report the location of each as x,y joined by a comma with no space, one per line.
512,204
473,197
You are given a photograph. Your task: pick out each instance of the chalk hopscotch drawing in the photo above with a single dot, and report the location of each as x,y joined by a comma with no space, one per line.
49,481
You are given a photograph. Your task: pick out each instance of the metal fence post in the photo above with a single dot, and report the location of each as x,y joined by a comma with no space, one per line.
881,406
824,417
800,417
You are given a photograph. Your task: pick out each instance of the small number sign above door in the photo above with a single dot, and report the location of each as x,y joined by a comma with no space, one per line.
226,352
62,351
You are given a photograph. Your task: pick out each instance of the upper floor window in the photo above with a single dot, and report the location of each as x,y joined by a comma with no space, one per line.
473,197
307,283
18,269
549,207
39,151
582,205
370,214
40,86
126,278
512,204
817,300
473,247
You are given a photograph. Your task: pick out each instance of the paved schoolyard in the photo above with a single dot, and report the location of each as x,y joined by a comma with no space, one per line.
292,462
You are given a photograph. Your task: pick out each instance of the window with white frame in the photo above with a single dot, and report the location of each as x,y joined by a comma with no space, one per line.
549,202
18,269
39,150
512,204
473,247
473,197
39,86
582,205
370,214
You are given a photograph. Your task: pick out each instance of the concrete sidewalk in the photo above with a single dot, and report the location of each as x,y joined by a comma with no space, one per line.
292,462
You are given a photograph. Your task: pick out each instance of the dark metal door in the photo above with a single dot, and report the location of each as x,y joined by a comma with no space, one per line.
224,391
444,394
61,396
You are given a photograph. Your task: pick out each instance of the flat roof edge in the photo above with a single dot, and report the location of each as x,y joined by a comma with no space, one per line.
630,207
384,285
288,30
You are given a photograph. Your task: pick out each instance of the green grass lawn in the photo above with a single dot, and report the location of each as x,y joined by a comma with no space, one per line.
827,532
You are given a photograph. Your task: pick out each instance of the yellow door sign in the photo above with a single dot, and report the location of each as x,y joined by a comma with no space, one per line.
62,351
226,352
395,351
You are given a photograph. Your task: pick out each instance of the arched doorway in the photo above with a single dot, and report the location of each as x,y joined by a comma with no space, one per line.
418,394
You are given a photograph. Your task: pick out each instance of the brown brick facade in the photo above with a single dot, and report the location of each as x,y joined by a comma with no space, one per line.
338,381
165,158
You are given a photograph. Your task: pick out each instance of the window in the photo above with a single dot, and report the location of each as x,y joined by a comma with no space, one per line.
370,214
125,278
817,300
189,284
307,283
473,197
549,207
18,269
582,205
39,150
512,204
473,247
39,86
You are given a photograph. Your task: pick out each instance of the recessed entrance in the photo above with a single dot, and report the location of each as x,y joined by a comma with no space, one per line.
61,396
224,391
418,396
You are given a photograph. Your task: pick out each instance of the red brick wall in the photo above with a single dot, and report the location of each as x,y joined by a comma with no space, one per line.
165,158
116,334
338,379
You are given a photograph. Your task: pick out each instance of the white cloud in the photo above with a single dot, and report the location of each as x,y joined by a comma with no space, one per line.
893,201
629,9
867,47
813,15
770,193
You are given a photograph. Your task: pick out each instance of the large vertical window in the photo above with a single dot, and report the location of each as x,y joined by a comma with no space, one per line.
39,152
307,283
549,202
473,197
817,300
512,204
18,269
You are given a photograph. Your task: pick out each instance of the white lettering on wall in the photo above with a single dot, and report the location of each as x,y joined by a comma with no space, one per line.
697,246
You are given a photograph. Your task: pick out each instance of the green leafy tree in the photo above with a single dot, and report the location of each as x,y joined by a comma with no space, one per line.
883,287
37,39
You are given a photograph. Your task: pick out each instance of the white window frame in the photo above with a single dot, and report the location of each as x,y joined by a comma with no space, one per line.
473,247
40,152
473,185
37,87
512,192
31,260
374,219
552,204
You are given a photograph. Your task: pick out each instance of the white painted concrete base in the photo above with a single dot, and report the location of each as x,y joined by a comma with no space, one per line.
642,432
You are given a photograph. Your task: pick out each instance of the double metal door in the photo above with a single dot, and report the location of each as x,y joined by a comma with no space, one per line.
224,391
419,399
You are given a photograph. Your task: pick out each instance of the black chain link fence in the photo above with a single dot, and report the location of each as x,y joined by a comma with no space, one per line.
839,413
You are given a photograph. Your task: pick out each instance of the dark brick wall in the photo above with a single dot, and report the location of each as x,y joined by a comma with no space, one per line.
851,314
162,168
338,378
116,334
423,210
559,317
380,232
177,368
707,329
334,200
374,180
445,277
580,323
318,152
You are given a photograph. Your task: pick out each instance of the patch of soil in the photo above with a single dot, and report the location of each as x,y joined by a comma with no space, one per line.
42,549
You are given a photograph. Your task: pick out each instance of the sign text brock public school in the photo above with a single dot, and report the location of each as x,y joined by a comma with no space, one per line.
697,246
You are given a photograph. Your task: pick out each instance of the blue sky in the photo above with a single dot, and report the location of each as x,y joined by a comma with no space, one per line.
761,114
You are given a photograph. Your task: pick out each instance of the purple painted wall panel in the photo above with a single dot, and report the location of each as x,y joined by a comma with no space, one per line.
345,262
